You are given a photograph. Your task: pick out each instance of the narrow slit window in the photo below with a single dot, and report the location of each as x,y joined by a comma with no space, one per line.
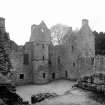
53,75
72,48
73,64
26,59
66,74
49,62
44,75
42,45
43,58
58,60
92,61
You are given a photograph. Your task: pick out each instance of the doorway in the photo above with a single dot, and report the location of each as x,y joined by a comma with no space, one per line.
44,75
53,75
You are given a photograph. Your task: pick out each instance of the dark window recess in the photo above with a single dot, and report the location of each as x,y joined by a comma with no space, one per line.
26,59
73,64
44,75
42,45
53,75
22,76
92,61
58,60
66,74
49,62
43,58
72,48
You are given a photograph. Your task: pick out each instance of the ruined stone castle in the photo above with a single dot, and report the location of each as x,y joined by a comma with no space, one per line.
39,61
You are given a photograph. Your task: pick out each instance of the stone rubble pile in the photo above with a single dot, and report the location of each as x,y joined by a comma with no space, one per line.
42,96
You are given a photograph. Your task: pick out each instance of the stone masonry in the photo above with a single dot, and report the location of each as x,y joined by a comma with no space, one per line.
39,61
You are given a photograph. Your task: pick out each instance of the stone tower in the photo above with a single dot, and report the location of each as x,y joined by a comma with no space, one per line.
86,40
40,38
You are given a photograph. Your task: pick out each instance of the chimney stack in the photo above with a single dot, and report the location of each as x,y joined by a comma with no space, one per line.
84,22
2,24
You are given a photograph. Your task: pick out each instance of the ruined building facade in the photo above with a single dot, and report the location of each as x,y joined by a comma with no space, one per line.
38,61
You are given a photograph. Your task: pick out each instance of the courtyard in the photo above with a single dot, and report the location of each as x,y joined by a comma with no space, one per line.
67,94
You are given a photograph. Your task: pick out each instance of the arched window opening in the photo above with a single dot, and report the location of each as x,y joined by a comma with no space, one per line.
42,30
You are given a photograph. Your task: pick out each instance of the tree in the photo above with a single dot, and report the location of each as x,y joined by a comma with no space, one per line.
57,33
99,43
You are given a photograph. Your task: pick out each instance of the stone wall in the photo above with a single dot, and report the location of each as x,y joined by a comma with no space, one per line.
22,71
40,33
38,61
68,64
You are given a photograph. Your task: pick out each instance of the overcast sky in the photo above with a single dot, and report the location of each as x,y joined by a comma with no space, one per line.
21,14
